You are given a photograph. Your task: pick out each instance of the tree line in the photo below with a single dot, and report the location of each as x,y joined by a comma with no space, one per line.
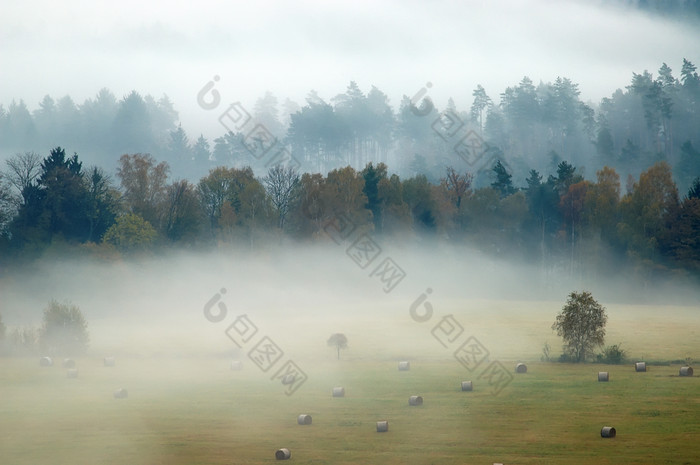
529,126
558,220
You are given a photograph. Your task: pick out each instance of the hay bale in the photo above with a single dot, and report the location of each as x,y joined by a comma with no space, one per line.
338,391
109,361
283,454
236,365
467,386
607,432
72,373
603,376
68,363
686,371
404,366
382,426
121,393
304,419
415,400
521,368
640,366
46,362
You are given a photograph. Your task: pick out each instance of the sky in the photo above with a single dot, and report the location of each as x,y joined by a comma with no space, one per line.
77,47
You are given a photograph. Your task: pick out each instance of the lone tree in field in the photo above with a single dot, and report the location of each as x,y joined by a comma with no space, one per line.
582,325
65,329
339,341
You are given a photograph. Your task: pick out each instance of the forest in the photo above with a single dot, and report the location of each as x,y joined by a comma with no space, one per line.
536,174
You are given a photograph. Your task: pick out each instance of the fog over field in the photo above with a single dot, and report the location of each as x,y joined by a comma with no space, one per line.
300,294
220,194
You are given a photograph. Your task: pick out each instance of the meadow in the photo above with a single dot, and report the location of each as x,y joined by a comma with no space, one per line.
187,409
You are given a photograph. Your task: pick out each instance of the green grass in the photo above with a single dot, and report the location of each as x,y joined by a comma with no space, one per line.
196,411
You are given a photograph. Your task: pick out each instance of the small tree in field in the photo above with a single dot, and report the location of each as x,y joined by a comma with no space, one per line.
339,341
64,329
581,323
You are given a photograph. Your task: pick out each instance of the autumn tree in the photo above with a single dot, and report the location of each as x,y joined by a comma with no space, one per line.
458,185
183,216
143,183
581,323
601,203
644,211
346,197
232,197
130,233
312,209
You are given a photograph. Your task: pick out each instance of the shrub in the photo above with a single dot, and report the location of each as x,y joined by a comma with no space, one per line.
613,355
65,329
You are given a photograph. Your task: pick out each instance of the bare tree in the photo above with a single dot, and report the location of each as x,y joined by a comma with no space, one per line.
457,184
23,170
280,184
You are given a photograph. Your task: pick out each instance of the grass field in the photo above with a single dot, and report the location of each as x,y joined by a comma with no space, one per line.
196,411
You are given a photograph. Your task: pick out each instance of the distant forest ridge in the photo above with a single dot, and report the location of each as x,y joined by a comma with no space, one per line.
656,117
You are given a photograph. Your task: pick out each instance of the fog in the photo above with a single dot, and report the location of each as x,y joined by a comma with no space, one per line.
299,295
79,47
170,312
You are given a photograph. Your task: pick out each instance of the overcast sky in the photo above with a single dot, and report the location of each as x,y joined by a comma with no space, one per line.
77,47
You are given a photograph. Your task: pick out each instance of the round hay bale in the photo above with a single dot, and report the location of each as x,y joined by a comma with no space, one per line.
382,426
109,361
415,400
521,368
283,454
338,391
46,362
467,386
304,419
121,393
686,371
607,432
603,376
404,366
236,365
68,363
72,373
640,366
